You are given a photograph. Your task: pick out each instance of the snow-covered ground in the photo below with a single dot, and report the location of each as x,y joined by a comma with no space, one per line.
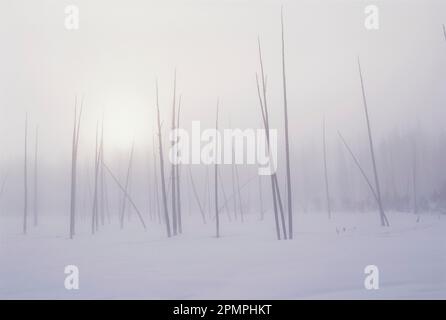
247,262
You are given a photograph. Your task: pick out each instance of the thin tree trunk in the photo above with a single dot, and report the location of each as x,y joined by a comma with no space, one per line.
262,216
414,176
101,173
125,191
197,198
287,146
359,167
95,193
163,182
217,220
173,167
155,174
180,227
239,193
384,221
141,219
277,202
327,190
234,200
36,213
225,205
25,206
77,121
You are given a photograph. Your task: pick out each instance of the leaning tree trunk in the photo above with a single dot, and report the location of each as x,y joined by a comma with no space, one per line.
287,145
384,221
277,202
327,190
125,191
163,182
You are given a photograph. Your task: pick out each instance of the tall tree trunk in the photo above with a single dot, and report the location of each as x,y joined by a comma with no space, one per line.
197,198
217,220
25,176
287,145
414,176
384,221
36,213
277,202
96,175
77,121
327,190
173,166
163,182
180,226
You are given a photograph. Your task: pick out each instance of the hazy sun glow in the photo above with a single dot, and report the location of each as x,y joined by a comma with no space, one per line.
125,124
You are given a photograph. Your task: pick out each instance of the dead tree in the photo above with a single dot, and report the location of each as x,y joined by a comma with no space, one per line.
173,167
141,219
197,198
180,226
238,191
125,191
76,130
327,190
364,175
414,176
217,220
277,202
155,174
36,218
96,176
163,182
261,198
25,206
287,145
384,221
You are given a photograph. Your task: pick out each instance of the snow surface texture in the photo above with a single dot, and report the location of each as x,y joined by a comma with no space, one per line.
247,262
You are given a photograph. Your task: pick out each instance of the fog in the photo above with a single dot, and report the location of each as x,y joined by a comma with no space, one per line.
120,49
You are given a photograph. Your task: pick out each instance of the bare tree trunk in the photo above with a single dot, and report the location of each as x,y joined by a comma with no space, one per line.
96,173
163,182
327,190
217,220
125,191
414,176
173,167
225,204
287,146
25,168
157,201
367,180
141,219
234,200
262,216
36,214
101,173
180,226
384,221
277,202
77,121
239,194
197,198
